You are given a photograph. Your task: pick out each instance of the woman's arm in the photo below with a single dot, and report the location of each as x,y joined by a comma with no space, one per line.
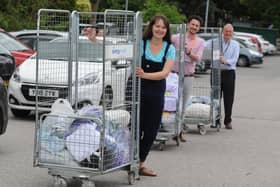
157,75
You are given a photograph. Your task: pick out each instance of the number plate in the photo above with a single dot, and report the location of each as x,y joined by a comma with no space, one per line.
43,93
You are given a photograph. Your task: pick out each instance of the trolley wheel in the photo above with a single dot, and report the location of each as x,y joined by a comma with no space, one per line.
161,145
218,125
202,129
131,177
177,139
87,183
59,182
185,128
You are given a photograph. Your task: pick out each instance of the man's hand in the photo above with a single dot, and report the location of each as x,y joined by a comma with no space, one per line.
90,33
187,49
222,60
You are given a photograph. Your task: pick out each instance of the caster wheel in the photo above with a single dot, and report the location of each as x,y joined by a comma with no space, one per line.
218,125
59,182
202,129
177,140
131,177
161,146
185,128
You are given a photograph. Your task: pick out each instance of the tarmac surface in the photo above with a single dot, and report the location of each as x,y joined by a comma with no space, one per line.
246,156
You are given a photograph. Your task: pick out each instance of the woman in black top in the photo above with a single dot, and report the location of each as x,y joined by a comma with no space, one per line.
158,56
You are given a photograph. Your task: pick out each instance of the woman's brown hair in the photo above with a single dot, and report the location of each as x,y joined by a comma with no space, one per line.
148,33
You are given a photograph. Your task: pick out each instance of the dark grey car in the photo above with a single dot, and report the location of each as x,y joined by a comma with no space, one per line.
7,67
3,107
248,57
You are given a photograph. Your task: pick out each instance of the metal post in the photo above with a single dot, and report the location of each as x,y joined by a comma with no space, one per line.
126,4
206,16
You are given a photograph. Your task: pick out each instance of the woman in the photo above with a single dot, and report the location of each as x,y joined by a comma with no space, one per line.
158,55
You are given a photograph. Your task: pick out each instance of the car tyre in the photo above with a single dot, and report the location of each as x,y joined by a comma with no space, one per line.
20,113
107,97
243,61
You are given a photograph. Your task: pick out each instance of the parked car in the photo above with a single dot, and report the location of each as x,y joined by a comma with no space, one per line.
248,57
247,41
19,50
29,37
262,43
53,78
7,66
271,49
3,107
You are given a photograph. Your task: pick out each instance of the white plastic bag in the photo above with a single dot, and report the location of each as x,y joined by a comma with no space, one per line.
62,106
198,110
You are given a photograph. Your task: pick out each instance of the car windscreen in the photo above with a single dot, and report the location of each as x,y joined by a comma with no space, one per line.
11,44
60,50
3,50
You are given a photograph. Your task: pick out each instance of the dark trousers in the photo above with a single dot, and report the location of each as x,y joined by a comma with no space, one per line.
150,117
227,91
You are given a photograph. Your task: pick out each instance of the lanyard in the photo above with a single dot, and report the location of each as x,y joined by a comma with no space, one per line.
227,46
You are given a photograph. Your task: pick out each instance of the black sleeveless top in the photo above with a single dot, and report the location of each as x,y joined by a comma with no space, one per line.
153,87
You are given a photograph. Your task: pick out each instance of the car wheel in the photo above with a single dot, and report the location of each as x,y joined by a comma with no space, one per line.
20,113
243,61
107,97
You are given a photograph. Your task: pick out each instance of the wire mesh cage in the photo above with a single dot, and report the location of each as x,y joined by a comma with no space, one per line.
203,105
81,79
171,117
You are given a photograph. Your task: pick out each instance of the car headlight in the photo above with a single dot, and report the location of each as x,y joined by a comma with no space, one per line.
16,76
90,78
255,53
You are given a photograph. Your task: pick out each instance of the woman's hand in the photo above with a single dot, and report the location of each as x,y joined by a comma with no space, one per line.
140,72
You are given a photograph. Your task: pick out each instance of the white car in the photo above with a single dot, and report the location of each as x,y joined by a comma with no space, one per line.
272,49
248,41
88,85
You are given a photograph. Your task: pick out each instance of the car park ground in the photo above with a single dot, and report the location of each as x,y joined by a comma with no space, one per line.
247,156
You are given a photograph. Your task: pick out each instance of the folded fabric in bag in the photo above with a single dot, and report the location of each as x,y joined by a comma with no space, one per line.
52,132
84,140
92,111
119,118
172,85
122,150
170,104
198,110
168,117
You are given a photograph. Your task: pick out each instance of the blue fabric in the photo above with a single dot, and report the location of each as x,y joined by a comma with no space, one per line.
171,53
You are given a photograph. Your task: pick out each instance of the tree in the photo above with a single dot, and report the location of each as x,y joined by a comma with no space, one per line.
94,5
22,14
153,7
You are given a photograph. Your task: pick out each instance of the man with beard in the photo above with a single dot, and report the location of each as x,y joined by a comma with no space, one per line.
194,46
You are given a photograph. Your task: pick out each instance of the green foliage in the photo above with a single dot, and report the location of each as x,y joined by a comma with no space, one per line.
83,5
134,5
22,14
153,7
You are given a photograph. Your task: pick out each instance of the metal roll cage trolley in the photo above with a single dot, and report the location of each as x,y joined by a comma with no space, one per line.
91,129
